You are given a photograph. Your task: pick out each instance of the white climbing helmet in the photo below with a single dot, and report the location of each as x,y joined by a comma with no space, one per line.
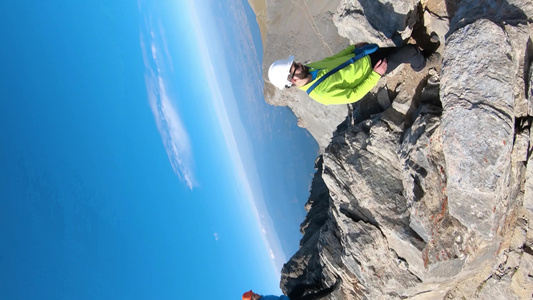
279,71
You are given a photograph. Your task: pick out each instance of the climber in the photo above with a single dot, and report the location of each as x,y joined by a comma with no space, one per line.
350,74
297,293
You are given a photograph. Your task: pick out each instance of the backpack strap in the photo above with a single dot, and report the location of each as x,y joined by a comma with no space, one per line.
359,52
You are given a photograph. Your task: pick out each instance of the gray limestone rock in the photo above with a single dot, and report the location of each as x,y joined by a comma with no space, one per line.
529,92
478,123
383,22
528,194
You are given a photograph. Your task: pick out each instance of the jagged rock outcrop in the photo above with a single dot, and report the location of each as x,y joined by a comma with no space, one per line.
383,22
426,188
478,124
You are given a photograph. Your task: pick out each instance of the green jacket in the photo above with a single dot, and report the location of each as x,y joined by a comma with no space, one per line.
347,85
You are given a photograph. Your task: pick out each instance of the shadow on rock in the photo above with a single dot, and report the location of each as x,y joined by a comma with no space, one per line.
464,12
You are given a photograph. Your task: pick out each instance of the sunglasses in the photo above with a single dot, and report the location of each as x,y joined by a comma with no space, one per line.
291,74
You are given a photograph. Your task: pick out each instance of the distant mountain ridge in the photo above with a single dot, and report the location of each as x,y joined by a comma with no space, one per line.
424,189
259,8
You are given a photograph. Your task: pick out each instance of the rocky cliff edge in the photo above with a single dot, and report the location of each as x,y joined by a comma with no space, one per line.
424,189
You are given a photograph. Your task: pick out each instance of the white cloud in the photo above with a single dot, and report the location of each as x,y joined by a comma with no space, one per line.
169,123
216,236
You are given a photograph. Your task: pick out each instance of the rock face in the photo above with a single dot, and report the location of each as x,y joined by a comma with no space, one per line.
383,22
478,123
425,189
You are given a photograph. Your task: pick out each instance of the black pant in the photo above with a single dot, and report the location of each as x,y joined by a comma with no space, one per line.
408,54
299,290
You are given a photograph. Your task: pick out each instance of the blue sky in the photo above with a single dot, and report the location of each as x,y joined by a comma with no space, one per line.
139,158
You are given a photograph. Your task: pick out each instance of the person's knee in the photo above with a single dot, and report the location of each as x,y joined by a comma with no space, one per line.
415,57
412,50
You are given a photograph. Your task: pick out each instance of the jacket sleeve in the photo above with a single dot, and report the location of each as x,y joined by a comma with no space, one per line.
282,297
345,96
